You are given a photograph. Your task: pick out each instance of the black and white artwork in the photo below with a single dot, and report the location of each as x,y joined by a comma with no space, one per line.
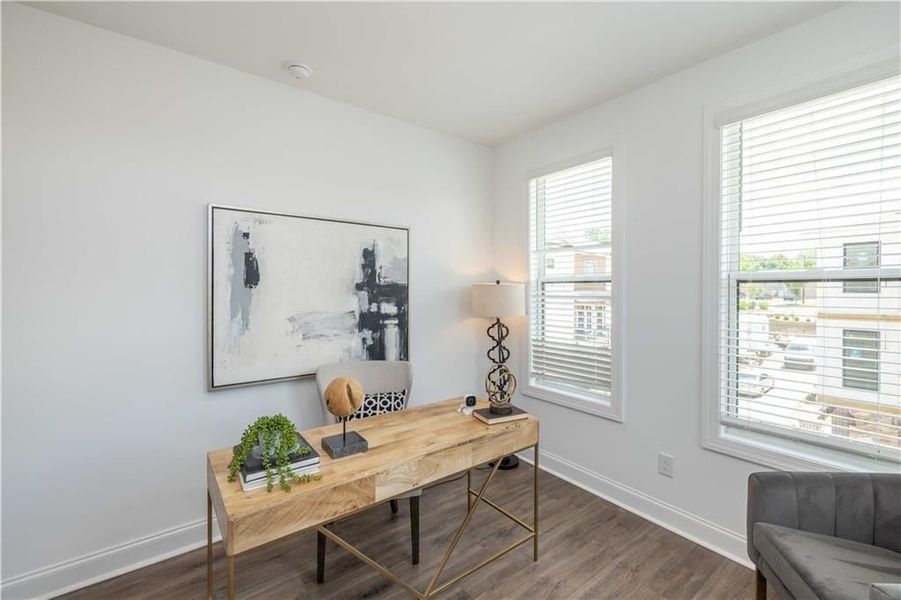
289,293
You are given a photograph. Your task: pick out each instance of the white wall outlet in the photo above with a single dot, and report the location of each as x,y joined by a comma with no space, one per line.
665,464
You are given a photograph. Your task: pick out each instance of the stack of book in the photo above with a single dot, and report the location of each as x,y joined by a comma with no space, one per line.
486,416
304,461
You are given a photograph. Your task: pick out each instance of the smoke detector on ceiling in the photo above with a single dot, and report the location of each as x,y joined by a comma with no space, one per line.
299,70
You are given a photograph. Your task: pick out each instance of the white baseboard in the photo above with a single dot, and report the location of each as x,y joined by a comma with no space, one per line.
110,562
94,567
714,537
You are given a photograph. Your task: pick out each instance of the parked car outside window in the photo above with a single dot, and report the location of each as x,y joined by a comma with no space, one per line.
799,354
754,384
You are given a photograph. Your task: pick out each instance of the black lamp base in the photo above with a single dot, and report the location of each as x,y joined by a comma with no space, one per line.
508,462
501,409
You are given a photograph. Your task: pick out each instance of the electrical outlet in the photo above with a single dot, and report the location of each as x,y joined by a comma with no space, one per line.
665,464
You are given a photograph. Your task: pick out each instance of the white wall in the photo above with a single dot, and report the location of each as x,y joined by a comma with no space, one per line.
111,150
657,137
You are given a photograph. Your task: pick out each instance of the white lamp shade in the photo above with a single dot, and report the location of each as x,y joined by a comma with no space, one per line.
497,300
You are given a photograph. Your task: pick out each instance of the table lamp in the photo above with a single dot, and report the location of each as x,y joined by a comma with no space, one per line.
496,300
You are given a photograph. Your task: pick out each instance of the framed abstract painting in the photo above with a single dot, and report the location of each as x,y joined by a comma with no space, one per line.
288,293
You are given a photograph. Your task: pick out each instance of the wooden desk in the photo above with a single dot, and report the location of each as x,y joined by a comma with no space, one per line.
407,450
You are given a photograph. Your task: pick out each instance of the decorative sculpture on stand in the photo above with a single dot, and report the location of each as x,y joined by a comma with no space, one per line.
500,383
344,397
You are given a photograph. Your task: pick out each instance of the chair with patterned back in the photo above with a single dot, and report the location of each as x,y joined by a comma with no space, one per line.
386,385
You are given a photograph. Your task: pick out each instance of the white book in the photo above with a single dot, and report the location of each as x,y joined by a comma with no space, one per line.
296,466
259,484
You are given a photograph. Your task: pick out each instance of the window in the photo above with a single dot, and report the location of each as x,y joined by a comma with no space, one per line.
857,256
589,267
570,350
808,286
860,359
590,318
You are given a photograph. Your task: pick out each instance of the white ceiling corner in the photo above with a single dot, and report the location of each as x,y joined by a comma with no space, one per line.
483,72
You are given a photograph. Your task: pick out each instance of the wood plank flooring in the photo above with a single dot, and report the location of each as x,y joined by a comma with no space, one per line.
589,549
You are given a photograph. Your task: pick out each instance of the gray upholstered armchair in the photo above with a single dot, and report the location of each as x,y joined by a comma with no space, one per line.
826,535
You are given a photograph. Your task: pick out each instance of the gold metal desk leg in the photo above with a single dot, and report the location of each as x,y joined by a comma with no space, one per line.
459,534
433,588
353,551
209,546
535,507
231,577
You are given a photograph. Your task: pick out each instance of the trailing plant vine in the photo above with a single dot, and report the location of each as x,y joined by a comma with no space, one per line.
277,433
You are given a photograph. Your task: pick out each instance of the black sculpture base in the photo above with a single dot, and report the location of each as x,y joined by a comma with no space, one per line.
504,409
337,446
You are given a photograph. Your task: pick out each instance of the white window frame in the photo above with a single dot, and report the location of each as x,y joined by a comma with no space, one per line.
613,409
758,447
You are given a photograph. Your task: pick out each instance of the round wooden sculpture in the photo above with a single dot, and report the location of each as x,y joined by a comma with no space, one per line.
343,396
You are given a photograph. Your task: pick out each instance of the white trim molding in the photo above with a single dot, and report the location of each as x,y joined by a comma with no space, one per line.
614,408
758,447
607,410
88,569
723,541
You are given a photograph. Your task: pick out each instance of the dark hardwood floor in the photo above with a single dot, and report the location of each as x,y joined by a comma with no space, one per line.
589,549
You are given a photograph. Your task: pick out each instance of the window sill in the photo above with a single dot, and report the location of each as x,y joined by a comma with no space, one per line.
789,455
598,408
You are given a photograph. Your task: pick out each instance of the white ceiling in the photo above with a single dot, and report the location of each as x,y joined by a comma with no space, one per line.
484,72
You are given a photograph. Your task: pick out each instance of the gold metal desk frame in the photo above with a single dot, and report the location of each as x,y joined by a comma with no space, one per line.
474,499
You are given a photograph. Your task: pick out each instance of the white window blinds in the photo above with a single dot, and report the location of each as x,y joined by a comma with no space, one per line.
570,280
810,303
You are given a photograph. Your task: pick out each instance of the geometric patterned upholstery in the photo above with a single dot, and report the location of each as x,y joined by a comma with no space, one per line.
380,403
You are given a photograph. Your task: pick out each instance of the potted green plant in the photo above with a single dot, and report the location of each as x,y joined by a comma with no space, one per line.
276,439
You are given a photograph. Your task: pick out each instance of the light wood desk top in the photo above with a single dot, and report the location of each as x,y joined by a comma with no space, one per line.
407,450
